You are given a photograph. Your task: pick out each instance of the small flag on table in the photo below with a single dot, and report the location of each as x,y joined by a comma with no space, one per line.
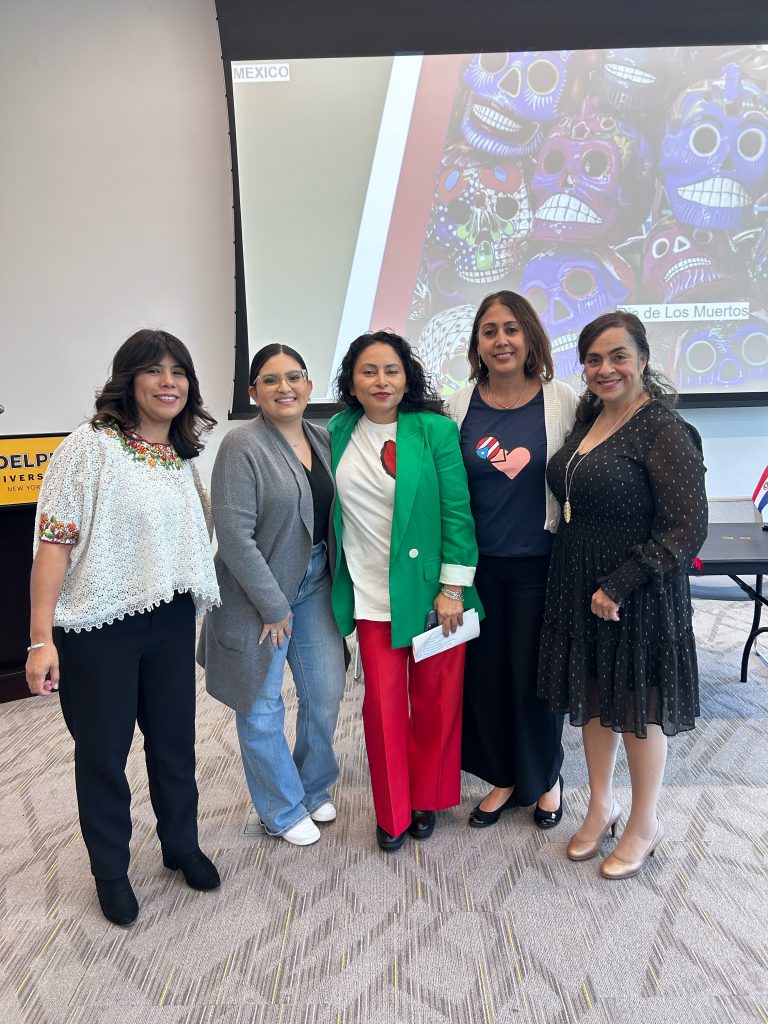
760,497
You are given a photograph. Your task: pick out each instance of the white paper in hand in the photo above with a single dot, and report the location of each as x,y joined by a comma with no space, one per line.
433,641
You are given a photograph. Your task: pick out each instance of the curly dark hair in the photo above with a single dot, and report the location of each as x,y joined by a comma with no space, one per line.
538,364
115,403
654,382
419,396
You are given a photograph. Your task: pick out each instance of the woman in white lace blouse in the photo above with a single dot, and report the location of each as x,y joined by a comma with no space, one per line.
122,565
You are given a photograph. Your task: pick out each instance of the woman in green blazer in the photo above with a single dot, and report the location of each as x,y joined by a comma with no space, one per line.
407,545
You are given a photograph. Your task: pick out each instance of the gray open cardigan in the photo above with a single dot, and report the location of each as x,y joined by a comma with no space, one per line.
263,515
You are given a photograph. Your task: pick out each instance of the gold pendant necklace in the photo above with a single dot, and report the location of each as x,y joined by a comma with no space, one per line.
567,508
499,405
567,502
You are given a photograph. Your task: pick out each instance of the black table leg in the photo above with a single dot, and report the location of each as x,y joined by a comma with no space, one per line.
757,629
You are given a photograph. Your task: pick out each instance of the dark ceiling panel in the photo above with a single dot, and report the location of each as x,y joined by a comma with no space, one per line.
253,29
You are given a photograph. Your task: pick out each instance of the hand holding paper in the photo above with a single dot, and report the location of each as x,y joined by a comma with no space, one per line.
433,641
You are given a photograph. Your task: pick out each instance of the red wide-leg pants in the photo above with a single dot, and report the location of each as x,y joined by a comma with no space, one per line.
412,722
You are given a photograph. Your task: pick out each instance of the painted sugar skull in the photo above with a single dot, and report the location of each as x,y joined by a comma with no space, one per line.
512,99
593,178
685,263
421,300
723,355
715,151
443,347
437,287
568,287
479,215
633,81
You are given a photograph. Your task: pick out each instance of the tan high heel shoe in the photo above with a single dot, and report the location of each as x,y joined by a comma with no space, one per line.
614,867
586,849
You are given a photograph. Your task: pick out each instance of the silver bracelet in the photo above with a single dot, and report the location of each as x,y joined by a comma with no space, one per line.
34,647
454,594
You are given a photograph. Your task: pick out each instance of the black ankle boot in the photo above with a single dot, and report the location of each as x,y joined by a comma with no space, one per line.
117,900
422,824
198,870
387,842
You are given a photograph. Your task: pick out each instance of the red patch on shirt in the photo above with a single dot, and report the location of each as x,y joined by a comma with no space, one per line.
389,458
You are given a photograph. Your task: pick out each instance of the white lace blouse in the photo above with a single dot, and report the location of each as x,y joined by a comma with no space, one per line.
133,515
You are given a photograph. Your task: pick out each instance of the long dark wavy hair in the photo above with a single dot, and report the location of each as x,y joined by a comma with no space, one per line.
654,382
538,363
116,405
420,395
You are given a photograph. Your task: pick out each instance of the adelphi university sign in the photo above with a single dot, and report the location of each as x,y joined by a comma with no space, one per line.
23,461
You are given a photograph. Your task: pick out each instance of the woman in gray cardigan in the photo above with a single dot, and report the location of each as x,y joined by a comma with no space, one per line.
272,493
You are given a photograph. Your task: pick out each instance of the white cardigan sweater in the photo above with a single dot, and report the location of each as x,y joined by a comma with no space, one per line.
560,403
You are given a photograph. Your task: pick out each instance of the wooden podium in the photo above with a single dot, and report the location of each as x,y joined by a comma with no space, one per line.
22,465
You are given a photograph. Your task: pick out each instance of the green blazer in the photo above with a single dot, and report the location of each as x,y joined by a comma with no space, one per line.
431,524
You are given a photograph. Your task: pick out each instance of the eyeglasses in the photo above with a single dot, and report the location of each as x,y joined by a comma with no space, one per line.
273,380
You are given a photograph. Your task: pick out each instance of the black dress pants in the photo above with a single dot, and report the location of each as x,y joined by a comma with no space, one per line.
138,669
510,737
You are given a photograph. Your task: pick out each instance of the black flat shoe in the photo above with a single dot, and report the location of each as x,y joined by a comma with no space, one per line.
117,900
548,819
387,842
482,819
198,870
422,824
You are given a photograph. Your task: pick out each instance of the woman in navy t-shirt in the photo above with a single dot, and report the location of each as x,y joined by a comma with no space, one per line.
512,420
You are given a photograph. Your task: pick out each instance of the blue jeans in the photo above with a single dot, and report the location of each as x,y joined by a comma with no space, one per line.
286,787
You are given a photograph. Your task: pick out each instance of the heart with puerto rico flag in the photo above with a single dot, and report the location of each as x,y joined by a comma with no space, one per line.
509,463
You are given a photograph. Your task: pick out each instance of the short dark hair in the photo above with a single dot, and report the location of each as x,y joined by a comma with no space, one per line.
265,354
539,361
115,402
420,395
654,382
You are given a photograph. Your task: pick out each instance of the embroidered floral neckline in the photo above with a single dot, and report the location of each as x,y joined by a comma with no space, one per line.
152,453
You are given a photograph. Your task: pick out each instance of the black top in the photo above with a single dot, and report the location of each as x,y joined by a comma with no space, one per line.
505,455
321,486
645,481
638,518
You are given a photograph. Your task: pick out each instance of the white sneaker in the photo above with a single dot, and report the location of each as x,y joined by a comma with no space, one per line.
325,812
303,833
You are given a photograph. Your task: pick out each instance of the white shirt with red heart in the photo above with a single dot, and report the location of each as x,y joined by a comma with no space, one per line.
365,481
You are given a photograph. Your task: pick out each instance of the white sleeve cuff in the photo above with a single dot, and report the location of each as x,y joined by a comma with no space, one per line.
457,575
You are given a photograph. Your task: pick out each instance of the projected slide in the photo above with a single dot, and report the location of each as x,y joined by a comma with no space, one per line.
397,192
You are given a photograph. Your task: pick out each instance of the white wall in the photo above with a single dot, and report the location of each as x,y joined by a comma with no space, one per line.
735,448
116,198
116,213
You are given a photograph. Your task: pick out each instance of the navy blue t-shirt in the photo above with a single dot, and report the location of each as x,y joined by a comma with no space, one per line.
505,454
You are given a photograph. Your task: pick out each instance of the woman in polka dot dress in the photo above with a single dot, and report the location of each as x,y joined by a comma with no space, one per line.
617,649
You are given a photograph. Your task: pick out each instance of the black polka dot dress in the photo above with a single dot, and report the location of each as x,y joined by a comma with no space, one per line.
638,518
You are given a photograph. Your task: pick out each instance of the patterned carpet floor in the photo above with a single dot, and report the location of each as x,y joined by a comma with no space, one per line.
472,927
